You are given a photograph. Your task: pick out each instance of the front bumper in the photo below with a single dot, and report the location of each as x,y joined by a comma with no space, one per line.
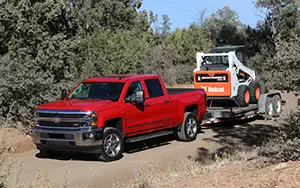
68,139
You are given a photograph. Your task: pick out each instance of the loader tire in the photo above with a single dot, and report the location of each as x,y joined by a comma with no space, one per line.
243,96
255,92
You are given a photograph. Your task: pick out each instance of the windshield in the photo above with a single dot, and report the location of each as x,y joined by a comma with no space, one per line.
98,91
215,62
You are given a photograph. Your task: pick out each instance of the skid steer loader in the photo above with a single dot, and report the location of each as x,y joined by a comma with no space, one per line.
223,73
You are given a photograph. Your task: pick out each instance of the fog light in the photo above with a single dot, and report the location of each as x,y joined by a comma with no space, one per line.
89,136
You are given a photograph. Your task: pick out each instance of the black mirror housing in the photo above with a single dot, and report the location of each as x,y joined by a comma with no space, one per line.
63,94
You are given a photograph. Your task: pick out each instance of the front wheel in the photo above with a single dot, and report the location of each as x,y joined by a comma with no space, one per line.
189,129
112,146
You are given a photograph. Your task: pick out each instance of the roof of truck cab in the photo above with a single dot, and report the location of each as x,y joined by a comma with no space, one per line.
119,77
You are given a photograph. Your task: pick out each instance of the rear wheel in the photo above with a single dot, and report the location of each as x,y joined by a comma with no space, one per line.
189,129
112,146
243,96
277,105
255,92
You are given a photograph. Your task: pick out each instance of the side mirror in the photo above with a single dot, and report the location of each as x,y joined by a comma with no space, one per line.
63,94
140,98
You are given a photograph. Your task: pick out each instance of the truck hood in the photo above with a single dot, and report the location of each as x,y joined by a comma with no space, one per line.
76,104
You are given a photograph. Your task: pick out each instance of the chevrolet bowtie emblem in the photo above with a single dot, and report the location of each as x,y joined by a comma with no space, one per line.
56,120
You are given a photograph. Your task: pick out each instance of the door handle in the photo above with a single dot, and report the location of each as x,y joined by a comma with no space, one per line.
166,101
146,105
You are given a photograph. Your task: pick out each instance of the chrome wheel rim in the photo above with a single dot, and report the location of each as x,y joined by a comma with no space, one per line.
112,145
278,106
270,109
191,127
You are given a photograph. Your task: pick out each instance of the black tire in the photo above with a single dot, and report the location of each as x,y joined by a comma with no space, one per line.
188,131
253,96
240,98
277,105
269,110
112,146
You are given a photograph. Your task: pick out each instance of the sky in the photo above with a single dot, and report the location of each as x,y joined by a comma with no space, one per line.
183,12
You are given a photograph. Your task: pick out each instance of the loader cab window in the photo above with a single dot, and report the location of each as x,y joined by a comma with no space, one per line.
215,63
241,57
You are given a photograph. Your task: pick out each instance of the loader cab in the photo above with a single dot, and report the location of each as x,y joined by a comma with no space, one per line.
239,52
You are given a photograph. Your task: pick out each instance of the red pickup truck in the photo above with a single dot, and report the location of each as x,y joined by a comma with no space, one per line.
100,114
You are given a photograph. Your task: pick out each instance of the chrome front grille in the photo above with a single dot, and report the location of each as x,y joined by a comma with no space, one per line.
55,115
53,118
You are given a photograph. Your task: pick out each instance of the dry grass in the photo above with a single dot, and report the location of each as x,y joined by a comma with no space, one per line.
7,149
5,163
153,176
40,180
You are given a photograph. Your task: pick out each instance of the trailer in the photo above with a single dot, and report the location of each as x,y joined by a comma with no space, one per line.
234,91
226,110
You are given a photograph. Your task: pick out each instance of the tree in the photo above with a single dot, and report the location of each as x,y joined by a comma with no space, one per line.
43,47
282,69
225,27
116,52
165,26
94,15
283,15
283,62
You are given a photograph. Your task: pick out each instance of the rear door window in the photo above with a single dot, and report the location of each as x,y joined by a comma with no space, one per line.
154,88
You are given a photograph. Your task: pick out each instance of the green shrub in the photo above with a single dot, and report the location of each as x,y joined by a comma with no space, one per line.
286,144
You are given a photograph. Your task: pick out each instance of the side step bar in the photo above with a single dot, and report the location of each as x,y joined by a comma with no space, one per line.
149,136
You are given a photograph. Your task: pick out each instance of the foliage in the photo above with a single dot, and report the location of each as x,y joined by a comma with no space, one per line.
285,145
47,45
282,61
116,52
225,27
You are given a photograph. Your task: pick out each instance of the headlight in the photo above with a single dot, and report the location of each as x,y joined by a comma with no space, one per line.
35,117
93,119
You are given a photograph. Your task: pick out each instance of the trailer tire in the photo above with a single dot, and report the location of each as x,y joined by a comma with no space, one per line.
269,110
277,105
113,145
255,92
188,130
243,96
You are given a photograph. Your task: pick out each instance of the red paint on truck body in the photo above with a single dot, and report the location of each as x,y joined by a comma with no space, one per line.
162,112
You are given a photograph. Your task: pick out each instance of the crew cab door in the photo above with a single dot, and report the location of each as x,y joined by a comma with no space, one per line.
136,117
157,104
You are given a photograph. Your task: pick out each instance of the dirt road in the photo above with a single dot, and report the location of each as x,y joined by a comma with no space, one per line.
84,171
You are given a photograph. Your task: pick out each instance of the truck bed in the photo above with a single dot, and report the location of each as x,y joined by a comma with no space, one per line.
173,91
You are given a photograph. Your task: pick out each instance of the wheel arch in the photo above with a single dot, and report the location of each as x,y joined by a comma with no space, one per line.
192,108
116,123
